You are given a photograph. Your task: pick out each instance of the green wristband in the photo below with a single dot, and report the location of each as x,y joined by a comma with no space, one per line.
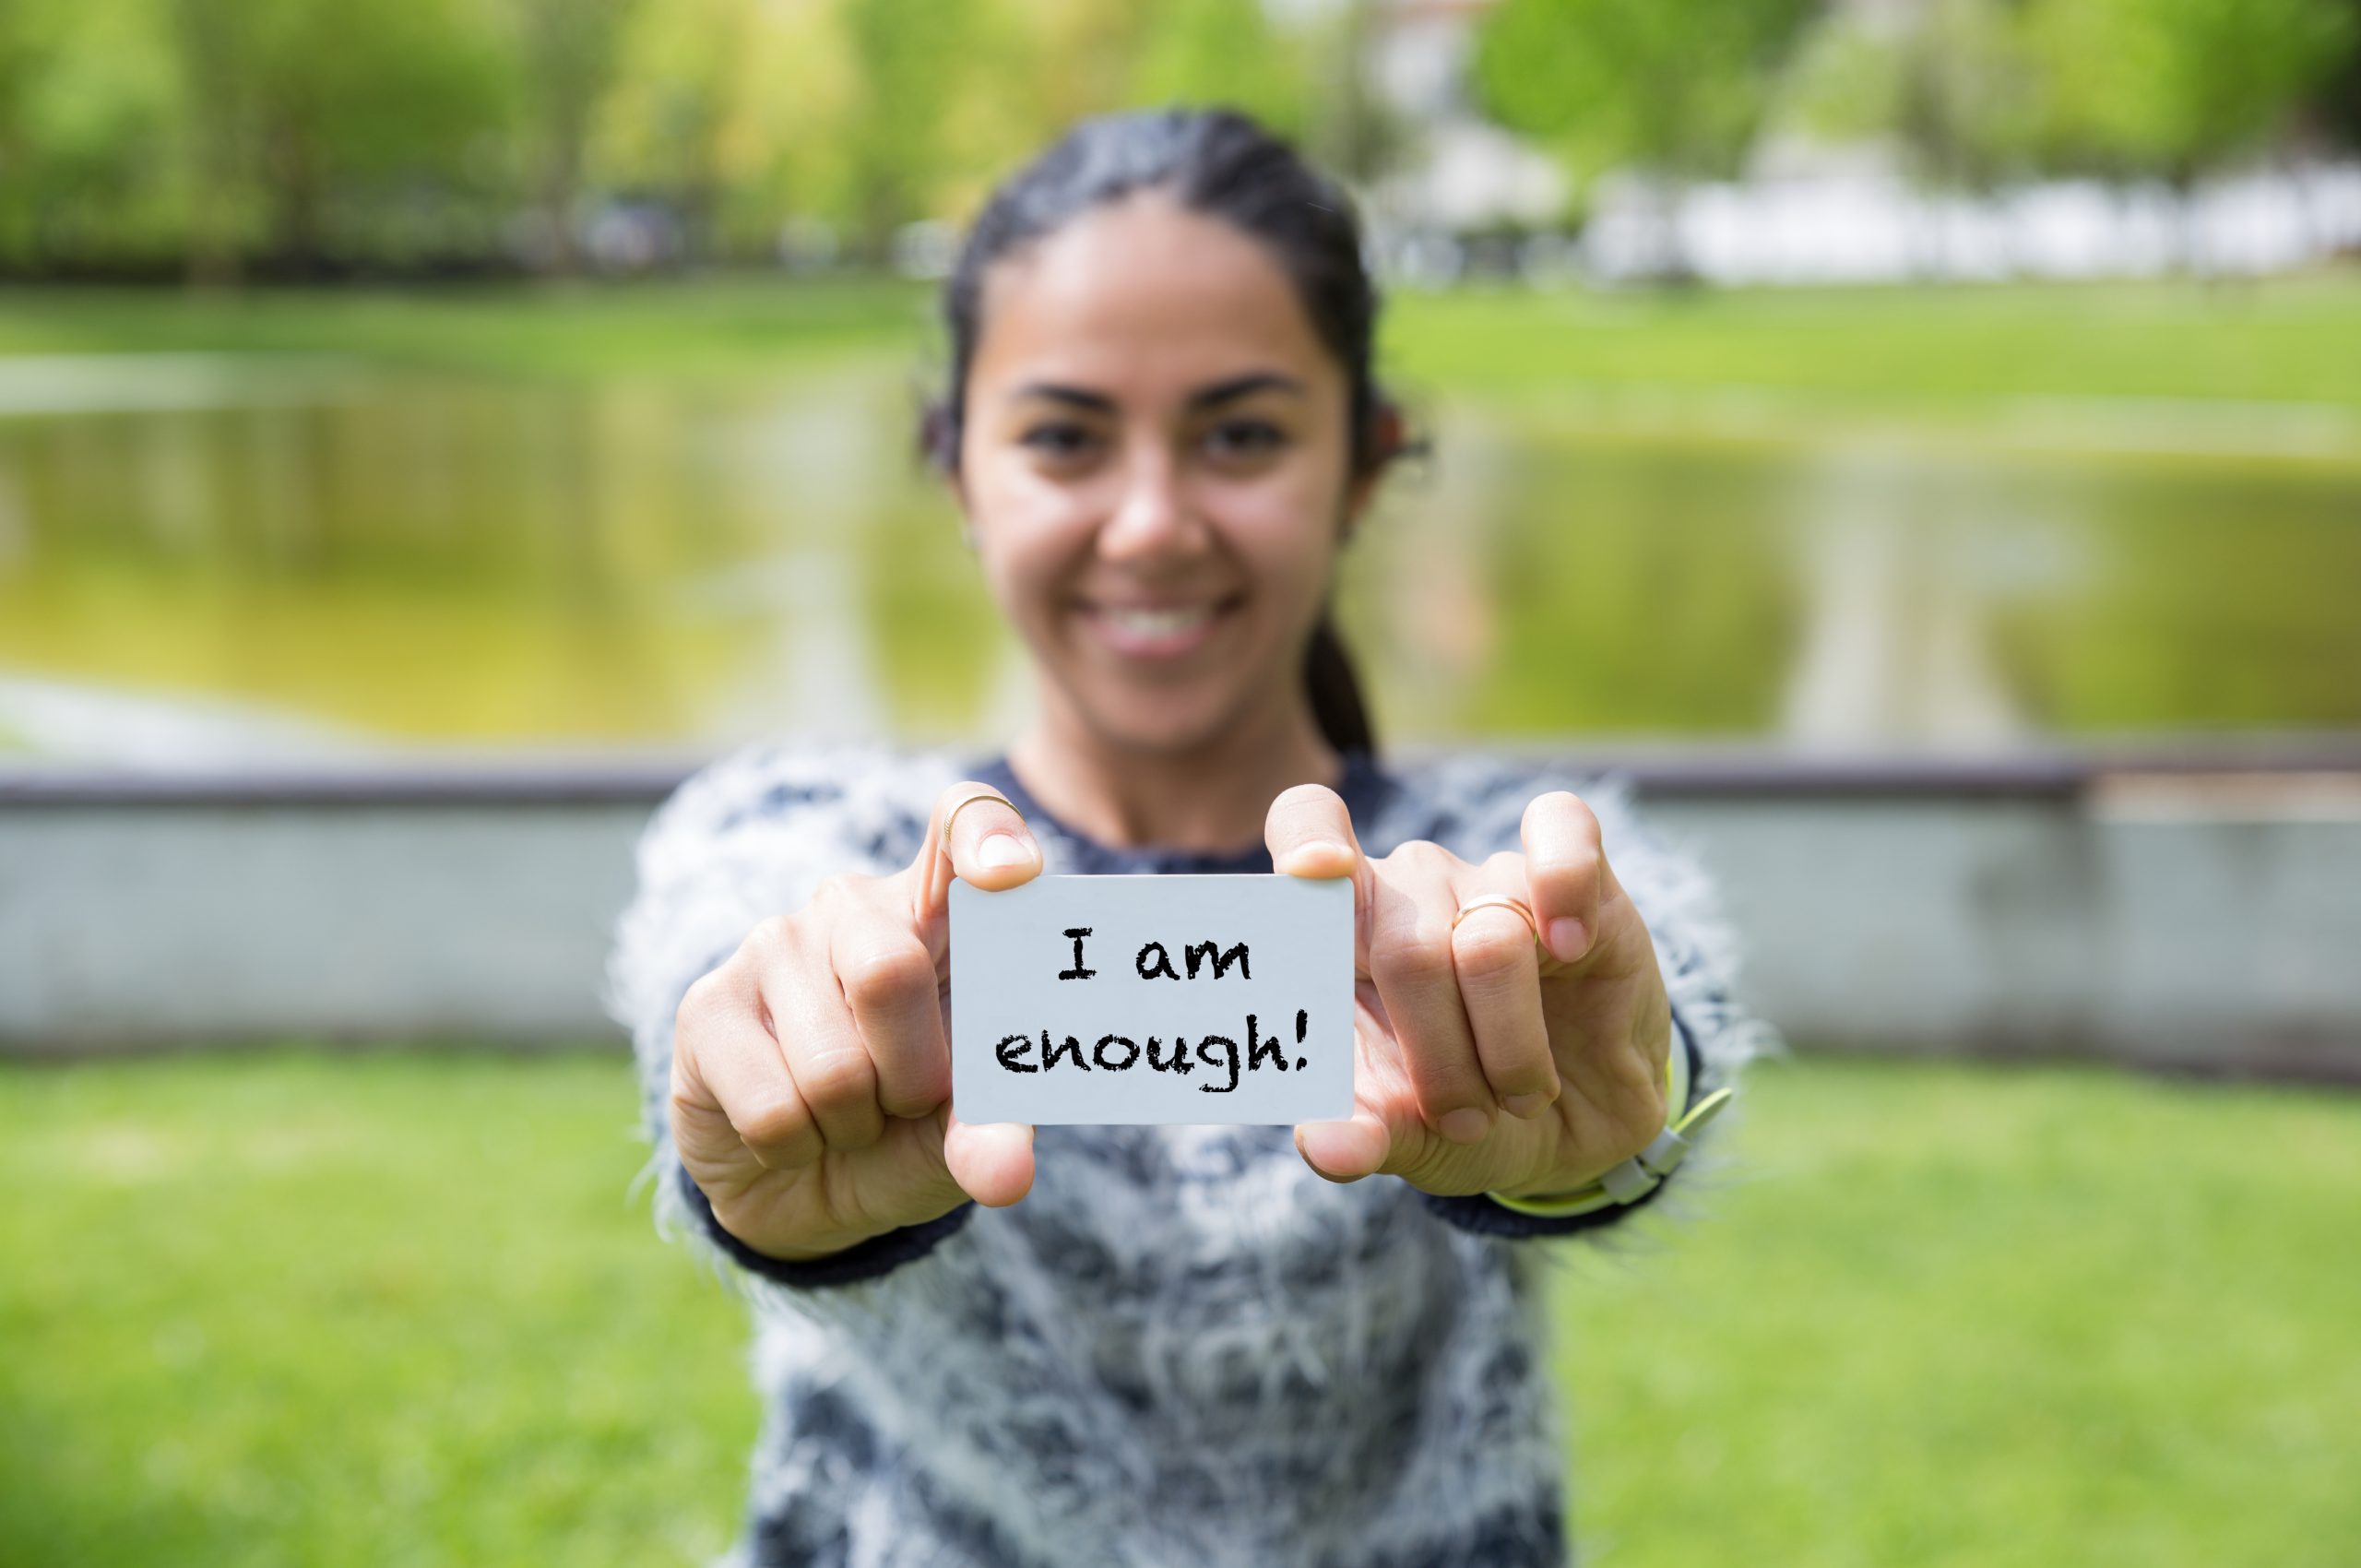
1638,1176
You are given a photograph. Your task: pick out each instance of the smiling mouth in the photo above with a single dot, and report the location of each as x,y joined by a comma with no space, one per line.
1159,630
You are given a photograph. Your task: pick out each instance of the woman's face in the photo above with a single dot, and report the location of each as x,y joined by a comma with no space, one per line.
1153,462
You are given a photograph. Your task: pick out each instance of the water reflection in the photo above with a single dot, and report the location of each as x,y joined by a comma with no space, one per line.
474,562
1898,640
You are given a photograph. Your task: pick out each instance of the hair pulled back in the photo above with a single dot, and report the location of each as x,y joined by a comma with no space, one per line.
1221,164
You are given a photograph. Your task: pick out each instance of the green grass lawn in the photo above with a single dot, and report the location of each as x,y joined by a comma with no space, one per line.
294,1308
1854,352
710,328
1839,351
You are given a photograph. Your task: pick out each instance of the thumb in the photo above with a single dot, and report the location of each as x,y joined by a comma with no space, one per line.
1363,1143
992,1163
1346,1150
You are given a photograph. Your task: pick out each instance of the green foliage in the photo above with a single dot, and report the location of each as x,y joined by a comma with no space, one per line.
567,56
2169,87
87,90
908,60
293,1308
1972,91
310,132
353,122
1953,83
1675,91
1203,51
2334,110
307,134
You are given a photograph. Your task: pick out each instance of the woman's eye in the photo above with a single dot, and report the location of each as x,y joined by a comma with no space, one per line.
1245,439
1062,442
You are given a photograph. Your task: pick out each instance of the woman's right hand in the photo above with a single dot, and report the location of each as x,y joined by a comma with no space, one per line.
811,1094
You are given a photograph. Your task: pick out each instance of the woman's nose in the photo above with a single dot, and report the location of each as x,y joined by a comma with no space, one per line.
1152,516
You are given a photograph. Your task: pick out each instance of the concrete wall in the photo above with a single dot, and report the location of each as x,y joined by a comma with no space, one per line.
129,924
2204,932
2169,917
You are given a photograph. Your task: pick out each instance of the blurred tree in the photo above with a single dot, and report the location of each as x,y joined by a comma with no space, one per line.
2337,104
1348,126
87,98
568,56
681,83
310,135
1674,92
1949,82
1093,56
1080,56
910,59
354,121
212,44
2171,88
1228,51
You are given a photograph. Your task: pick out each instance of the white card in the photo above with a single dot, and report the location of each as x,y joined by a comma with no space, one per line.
1205,999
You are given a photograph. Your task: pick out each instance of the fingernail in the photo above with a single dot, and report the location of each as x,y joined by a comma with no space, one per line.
1003,850
1336,853
1525,1106
1566,938
1465,1125
1339,1138
1326,1173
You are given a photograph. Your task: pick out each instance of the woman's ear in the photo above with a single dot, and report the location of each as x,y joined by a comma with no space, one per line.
938,443
938,448
1386,439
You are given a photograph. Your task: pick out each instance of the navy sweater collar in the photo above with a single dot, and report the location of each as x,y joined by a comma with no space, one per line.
1364,789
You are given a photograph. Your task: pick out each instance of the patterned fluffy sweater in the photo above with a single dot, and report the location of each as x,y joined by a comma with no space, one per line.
1183,1346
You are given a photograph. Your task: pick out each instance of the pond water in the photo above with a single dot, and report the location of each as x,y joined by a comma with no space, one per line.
212,560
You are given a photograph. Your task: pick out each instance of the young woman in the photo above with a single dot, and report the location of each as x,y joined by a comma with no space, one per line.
1162,1345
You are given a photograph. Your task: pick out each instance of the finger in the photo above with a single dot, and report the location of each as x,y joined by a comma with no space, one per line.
732,1093
988,846
1410,960
821,1047
1499,966
1309,831
991,1162
890,987
1564,871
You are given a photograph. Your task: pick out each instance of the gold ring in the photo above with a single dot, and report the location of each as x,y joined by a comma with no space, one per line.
969,800
1499,901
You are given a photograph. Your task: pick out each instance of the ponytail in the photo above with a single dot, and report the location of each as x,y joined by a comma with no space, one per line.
1335,691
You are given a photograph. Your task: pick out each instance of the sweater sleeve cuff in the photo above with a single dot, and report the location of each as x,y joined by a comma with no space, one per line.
1476,1213
863,1260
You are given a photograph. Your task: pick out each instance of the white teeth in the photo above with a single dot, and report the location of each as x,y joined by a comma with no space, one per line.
1159,622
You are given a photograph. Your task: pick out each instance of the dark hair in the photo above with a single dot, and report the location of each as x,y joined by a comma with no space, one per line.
1222,164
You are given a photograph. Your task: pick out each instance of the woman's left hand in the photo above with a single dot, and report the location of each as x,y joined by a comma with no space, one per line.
1484,1061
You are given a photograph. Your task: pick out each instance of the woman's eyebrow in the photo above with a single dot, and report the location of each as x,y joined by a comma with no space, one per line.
1080,397
1204,397
1239,385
